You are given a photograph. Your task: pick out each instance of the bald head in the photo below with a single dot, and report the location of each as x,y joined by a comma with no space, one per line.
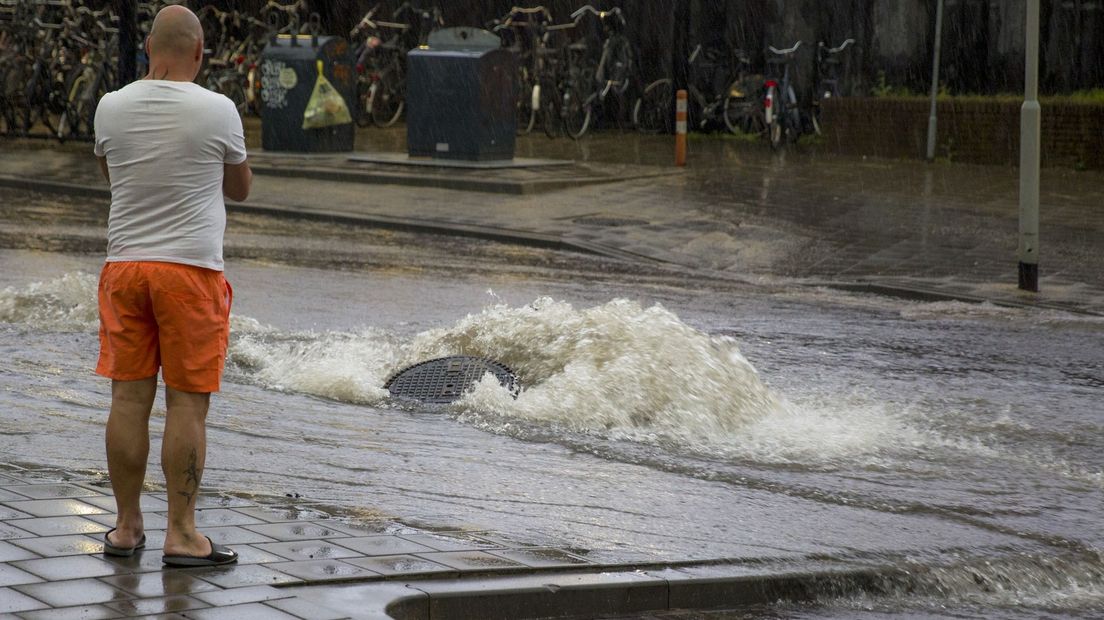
176,32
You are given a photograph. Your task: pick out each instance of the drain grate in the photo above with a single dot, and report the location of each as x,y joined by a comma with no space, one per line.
445,379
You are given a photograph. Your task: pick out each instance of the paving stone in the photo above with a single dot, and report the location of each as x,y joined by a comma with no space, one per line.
8,532
58,526
474,561
12,601
151,520
72,567
55,507
444,542
55,546
239,576
84,612
7,513
540,558
159,584
238,596
143,561
8,493
51,491
374,528
297,531
12,576
323,570
156,606
307,610
248,554
382,545
299,550
220,517
378,599
10,552
148,503
209,500
250,611
72,593
402,565
235,535
283,514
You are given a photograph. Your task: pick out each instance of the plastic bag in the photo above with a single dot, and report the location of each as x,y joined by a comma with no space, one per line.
326,106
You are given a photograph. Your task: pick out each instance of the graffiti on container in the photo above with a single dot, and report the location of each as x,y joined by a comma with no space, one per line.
276,80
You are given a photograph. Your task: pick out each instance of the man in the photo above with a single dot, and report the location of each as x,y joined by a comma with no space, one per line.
170,150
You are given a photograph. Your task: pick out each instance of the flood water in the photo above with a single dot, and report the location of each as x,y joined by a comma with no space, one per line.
660,419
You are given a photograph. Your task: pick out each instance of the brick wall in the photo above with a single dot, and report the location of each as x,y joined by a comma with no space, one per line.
983,131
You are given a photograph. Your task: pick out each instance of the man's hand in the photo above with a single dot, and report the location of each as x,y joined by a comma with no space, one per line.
237,180
103,168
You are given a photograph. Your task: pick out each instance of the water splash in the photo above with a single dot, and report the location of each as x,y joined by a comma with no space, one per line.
66,303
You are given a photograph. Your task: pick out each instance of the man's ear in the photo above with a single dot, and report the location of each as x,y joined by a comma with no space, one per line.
199,51
146,46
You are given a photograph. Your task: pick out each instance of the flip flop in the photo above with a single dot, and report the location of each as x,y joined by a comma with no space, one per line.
219,555
121,552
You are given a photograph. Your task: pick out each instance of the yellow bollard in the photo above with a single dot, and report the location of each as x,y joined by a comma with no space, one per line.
680,128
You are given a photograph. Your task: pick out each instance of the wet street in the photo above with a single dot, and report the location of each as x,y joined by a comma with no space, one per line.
662,418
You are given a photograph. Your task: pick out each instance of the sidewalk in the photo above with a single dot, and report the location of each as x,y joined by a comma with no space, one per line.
297,561
937,231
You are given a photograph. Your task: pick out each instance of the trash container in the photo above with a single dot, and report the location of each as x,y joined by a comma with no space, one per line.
288,75
461,97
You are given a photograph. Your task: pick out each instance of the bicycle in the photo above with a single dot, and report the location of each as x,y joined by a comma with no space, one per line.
827,70
524,31
781,113
588,85
717,97
90,80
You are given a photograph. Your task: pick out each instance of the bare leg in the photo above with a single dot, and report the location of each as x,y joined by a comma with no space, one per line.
183,452
127,454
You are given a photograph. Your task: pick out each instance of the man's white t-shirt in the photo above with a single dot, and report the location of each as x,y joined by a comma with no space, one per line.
165,144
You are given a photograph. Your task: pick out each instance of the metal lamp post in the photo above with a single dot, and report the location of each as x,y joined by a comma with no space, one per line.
935,77
1030,132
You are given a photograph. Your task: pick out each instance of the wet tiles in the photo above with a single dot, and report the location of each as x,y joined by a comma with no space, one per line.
283,514
382,545
442,542
323,570
72,567
238,576
402,565
148,503
307,550
217,517
235,535
205,501
10,552
251,611
153,521
9,532
238,596
68,594
540,558
58,526
7,513
306,609
84,612
12,601
471,560
159,584
51,491
7,494
12,576
296,531
156,606
55,546
55,507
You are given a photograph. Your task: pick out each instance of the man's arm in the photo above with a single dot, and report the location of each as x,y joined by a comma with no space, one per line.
237,180
103,168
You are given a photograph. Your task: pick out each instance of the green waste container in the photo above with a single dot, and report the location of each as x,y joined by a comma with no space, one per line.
288,74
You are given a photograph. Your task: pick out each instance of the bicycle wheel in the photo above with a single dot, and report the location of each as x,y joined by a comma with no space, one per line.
793,117
576,112
775,118
550,109
387,98
741,111
364,99
619,67
652,112
526,111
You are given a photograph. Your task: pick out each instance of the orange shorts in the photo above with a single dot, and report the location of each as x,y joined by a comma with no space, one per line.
164,315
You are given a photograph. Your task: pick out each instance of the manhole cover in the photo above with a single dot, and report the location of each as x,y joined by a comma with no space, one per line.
609,221
445,379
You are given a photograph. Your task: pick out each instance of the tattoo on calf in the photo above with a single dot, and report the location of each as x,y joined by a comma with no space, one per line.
193,473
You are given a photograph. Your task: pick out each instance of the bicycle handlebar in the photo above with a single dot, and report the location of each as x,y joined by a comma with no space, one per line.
785,51
836,50
578,14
